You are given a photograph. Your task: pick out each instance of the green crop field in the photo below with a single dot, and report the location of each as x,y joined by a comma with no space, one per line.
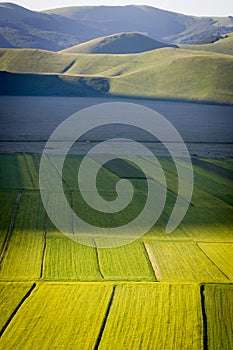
7,200
168,291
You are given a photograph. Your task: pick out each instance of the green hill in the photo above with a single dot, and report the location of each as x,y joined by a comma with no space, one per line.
121,43
167,73
223,45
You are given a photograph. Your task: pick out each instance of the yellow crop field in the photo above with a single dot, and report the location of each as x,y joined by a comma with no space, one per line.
12,293
206,224
219,314
23,255
183,262
66,259
128,262
65,316
154,316
222,256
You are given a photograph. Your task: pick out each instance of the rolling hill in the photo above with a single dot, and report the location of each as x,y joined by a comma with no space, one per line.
223,45
121,43
154,74
61,28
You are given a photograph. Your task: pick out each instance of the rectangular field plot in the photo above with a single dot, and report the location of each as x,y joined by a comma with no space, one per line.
219,314
24,252
127,262
66,259
218,186
54,206
183,262
59,316
221,254
10,174
103,218
209,224
105,181
154,316
124,169
19,171
7,203
11,294
29,170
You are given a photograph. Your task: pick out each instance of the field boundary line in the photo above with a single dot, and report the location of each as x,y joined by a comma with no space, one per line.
98,340
98,260
149,259
17,309
72,212
45,246
153,261
11,227
214,242
204,317
212,262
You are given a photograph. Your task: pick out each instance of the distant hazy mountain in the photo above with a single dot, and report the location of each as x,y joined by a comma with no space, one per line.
121,43
65,27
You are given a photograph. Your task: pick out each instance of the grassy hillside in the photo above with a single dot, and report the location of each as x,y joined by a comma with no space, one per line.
33,61
198,77
121,43
224,45
164,73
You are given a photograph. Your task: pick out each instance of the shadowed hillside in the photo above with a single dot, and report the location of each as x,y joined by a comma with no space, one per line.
121,43
51,85
223,45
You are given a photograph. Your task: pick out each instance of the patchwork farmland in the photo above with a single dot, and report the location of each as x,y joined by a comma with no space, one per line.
163,291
